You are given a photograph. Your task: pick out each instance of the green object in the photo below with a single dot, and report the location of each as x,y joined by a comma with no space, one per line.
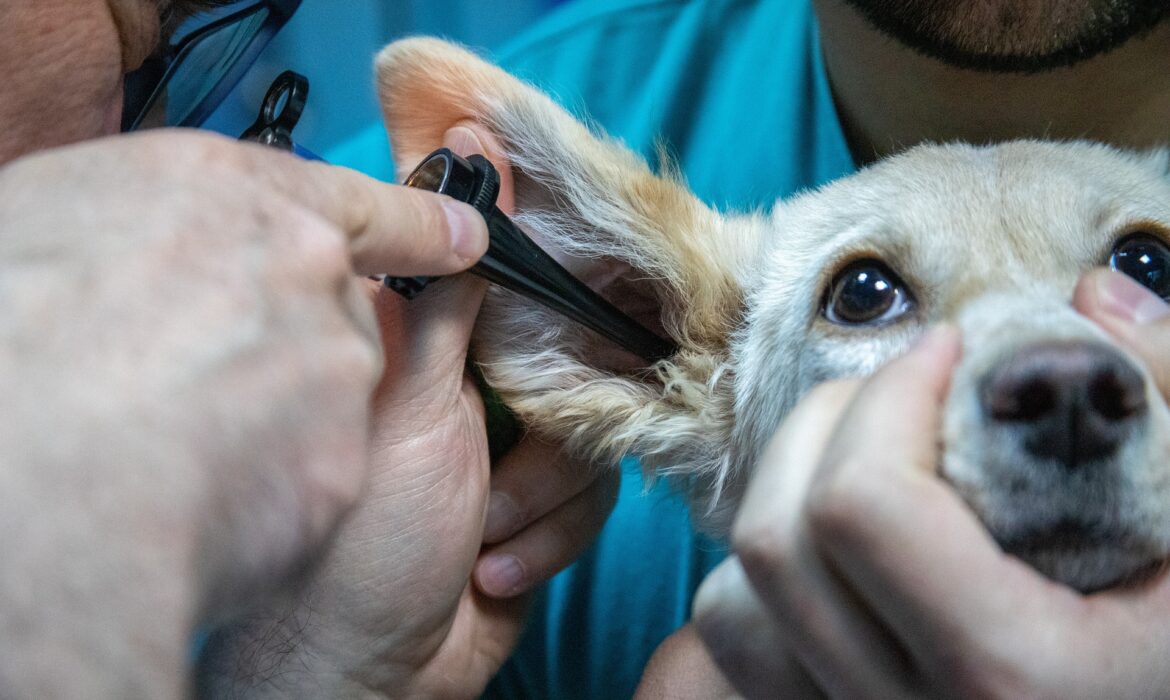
503,429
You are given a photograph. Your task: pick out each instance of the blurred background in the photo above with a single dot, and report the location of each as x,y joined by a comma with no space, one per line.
333,42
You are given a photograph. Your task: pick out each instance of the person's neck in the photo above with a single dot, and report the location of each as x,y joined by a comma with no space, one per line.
890,98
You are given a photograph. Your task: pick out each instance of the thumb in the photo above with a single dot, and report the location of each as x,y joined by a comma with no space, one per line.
1135,316
425,340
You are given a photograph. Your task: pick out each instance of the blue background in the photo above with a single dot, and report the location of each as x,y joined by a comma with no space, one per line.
333,42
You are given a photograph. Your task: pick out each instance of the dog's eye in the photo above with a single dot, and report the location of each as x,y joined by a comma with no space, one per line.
1146,259
866,292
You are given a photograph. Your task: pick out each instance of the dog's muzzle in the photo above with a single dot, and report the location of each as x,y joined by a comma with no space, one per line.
1071,403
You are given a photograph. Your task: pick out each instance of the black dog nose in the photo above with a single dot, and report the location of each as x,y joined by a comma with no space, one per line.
1074,401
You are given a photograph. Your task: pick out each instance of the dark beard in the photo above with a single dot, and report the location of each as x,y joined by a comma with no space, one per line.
1007,39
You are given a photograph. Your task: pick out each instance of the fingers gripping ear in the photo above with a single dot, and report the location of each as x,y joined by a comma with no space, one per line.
578,194
599,208
438,325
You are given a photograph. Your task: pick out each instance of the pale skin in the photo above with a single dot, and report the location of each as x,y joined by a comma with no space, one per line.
835,589
188,353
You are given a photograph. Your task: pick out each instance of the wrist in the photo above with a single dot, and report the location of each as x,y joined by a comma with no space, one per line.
279,653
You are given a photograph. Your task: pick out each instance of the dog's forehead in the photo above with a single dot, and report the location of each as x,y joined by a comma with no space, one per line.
956,214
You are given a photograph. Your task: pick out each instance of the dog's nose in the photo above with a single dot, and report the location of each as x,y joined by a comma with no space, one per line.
1074,401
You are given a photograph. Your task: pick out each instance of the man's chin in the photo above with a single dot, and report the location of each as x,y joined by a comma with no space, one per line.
985,40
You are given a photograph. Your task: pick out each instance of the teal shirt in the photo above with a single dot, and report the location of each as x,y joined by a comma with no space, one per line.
737,92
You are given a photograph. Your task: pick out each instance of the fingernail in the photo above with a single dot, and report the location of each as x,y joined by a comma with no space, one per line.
501,575
1121,296
468,230
462,140
503,517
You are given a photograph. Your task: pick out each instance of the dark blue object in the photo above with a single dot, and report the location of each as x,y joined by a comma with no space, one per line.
280,111
189,78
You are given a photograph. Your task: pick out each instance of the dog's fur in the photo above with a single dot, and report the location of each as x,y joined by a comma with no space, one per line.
991,238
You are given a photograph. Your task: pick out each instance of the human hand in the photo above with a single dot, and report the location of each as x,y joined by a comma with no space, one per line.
682,668
393,610
186,362
859,573
1133,315
544,510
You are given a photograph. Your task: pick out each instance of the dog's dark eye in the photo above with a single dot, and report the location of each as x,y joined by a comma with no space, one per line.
866,292
1146,259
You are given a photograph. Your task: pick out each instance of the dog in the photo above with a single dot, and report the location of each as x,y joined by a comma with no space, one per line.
1055,436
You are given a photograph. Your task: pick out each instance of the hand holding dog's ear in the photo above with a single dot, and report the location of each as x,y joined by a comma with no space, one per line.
188,358
1131,313
393,608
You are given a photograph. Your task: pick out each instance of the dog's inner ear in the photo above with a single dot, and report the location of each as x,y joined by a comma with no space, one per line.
598,260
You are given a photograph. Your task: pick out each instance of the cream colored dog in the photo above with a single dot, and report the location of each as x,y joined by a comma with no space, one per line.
1054,436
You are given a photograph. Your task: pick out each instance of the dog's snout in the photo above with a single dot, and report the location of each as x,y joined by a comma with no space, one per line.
1072,401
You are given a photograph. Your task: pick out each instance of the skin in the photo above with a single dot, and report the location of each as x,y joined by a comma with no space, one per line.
1003,36
835,588
207,294
392,610
891,97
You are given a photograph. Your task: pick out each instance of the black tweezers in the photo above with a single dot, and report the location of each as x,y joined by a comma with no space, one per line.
515,262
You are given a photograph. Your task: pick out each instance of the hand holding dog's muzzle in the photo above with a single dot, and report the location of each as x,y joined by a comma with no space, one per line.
874,579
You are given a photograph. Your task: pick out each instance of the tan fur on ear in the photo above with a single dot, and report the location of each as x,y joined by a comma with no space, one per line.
588,197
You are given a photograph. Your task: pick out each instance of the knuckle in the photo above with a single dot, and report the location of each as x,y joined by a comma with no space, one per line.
353,363
326,246
195,149
765,546
315,246
341,489
366,325
330,491
366,361
984,678
359,208
833,509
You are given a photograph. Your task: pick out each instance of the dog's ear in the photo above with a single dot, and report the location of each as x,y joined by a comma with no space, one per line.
587,197
576,192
